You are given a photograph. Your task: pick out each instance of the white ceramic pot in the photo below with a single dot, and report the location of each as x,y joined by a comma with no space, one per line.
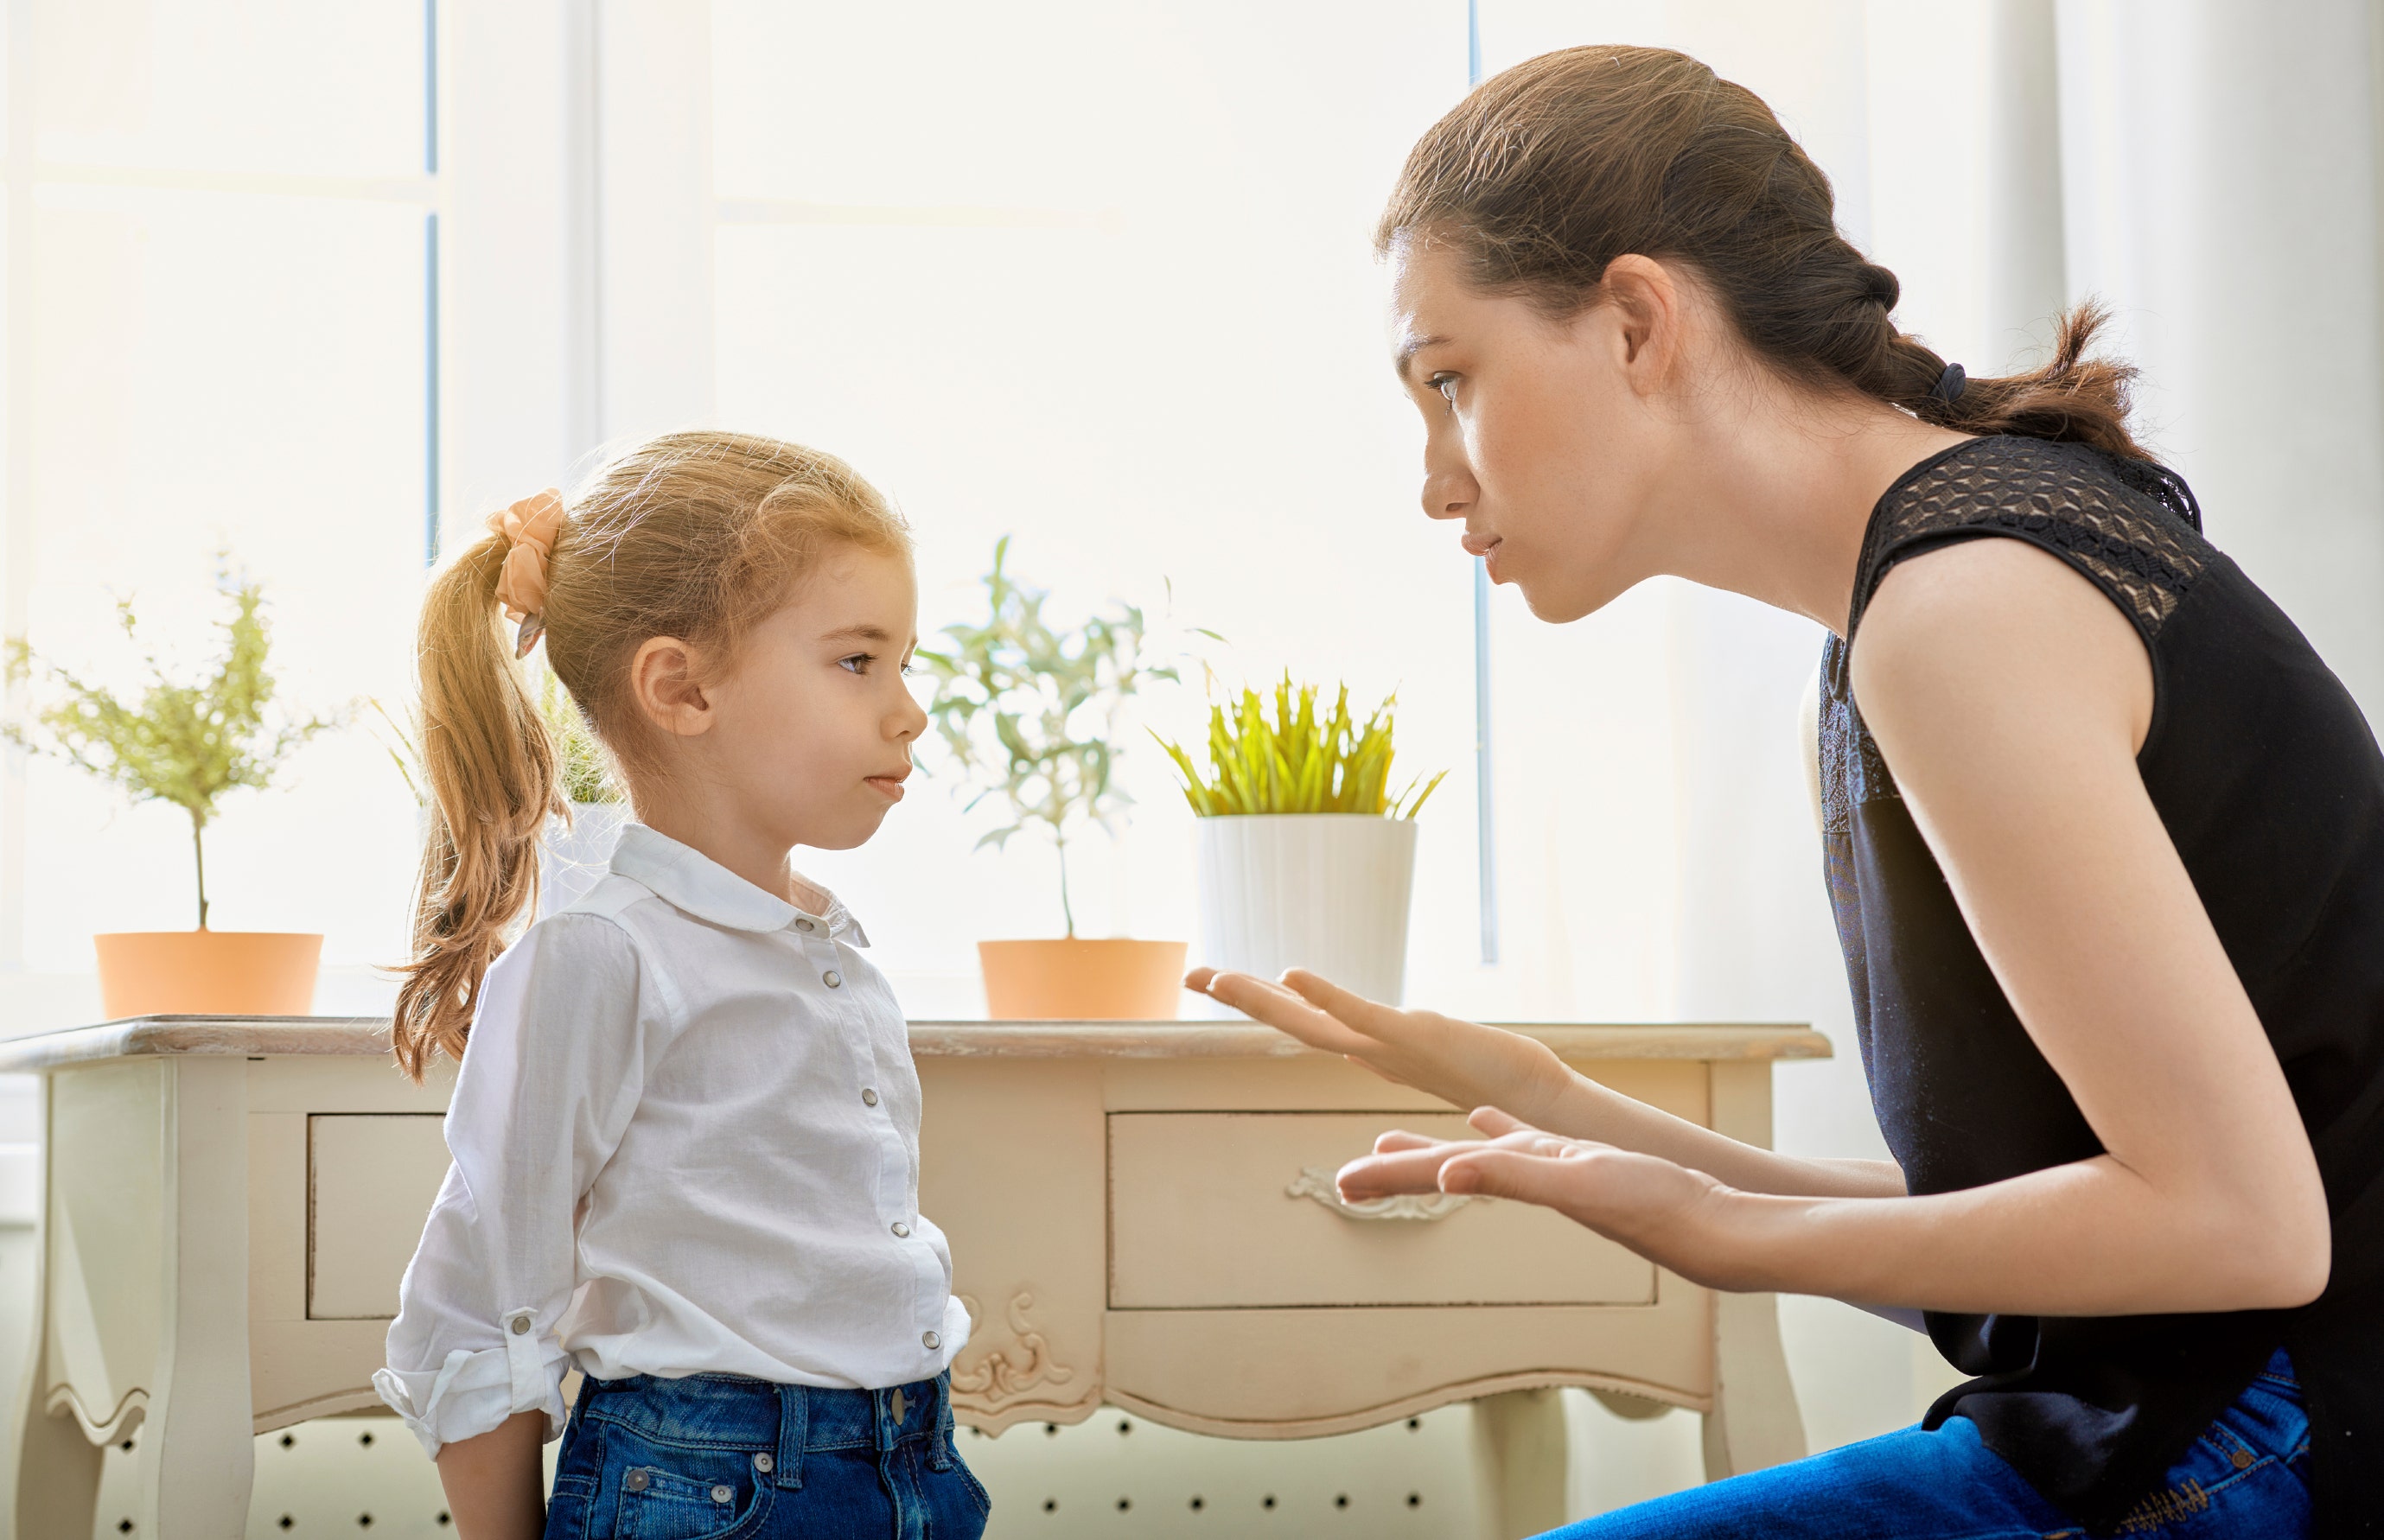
572,861
1325,891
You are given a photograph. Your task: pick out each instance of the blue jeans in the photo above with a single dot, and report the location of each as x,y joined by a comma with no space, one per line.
2246,1478
719,1457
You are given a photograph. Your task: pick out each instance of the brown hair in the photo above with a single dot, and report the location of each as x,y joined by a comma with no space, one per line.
698,536
1552,170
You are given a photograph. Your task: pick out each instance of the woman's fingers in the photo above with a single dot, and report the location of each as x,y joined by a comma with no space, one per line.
1493,1121
1399,1138
1414,1168
1278,1008
1490,1170
1370,1016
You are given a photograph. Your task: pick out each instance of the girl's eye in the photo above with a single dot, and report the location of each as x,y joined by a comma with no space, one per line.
1446,385
857,664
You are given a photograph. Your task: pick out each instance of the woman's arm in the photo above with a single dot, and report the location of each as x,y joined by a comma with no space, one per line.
2010,698
1468,1064
496,1483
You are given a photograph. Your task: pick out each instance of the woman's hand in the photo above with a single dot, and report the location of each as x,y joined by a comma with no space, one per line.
1665,1213
1462,1063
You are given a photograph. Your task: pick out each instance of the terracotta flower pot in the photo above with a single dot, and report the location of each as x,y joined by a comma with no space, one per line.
1082,980
207,973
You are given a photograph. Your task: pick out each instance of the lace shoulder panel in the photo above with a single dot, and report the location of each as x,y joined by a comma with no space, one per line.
2130,526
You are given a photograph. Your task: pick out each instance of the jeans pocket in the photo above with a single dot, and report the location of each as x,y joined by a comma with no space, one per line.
975,1488
673,1492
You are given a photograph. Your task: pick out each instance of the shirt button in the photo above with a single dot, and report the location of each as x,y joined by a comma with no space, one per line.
521,1325
763,1463
901,1230
635,1481
931,1339
869,1098
832,979
723,1493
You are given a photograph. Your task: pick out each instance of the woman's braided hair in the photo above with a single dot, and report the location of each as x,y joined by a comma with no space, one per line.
1552,170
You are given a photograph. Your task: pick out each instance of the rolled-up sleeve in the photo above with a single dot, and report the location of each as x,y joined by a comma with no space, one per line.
551,1077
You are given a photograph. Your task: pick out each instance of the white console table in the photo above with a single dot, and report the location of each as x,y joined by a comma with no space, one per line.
1141,1214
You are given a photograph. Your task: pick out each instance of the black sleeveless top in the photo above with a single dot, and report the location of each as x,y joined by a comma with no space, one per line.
2272,788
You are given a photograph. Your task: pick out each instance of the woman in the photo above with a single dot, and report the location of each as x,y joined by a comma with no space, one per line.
2105,839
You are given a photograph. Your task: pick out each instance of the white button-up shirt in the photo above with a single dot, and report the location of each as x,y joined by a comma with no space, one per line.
685,1139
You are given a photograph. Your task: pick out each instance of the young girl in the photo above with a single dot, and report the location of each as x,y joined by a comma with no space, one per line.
686,1128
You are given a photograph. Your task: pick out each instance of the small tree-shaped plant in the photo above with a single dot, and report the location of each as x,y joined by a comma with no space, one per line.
580,759
1031,713
187,744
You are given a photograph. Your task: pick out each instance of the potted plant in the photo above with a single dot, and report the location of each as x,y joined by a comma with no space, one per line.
1306,857
187,744
573,857
574,853
1030,714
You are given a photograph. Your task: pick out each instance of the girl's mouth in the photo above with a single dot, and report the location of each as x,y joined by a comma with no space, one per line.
1479,545
888,786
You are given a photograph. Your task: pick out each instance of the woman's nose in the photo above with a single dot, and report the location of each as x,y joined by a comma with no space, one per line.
1446,494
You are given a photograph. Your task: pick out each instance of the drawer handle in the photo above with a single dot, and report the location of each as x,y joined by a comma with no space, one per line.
1316,1182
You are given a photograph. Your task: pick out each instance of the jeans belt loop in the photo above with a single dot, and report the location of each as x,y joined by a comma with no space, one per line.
940,1453
794,1417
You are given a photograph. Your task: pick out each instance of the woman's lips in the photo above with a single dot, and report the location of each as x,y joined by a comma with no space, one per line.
888,786
1478,545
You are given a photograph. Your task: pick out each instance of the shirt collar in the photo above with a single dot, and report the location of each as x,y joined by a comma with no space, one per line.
693,883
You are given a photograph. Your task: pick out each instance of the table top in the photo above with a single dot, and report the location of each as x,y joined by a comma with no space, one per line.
367,1036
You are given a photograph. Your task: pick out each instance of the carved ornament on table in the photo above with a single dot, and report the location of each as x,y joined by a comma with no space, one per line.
1011,1370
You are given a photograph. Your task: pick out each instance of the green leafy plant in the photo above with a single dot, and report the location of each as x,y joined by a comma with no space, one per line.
1030,713
1300,762
187,744
579,759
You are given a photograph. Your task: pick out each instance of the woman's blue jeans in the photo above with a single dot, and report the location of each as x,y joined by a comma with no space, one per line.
719,1457
2246,1478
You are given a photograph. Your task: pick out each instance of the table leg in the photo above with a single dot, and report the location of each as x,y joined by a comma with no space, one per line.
1754,1422
51,1482
1520,1450
204,1457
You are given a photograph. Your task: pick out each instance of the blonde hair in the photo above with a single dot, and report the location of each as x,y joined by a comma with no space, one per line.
698,536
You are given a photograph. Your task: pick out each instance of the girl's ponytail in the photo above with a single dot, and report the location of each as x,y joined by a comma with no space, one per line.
491,768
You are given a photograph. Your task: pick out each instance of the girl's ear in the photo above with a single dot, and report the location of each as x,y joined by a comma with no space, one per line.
664,681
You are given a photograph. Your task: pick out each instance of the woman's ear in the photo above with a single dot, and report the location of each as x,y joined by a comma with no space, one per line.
1646,299
664,680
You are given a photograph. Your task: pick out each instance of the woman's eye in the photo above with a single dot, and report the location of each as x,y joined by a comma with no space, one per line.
858,664
1446,385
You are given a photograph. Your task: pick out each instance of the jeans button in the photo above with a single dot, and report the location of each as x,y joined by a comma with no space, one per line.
635,1481
723,1493
763,1463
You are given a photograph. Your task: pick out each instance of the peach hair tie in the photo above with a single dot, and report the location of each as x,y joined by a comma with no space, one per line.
530,527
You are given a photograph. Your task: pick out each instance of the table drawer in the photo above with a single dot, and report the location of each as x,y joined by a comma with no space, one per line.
1203,1216
370,1181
